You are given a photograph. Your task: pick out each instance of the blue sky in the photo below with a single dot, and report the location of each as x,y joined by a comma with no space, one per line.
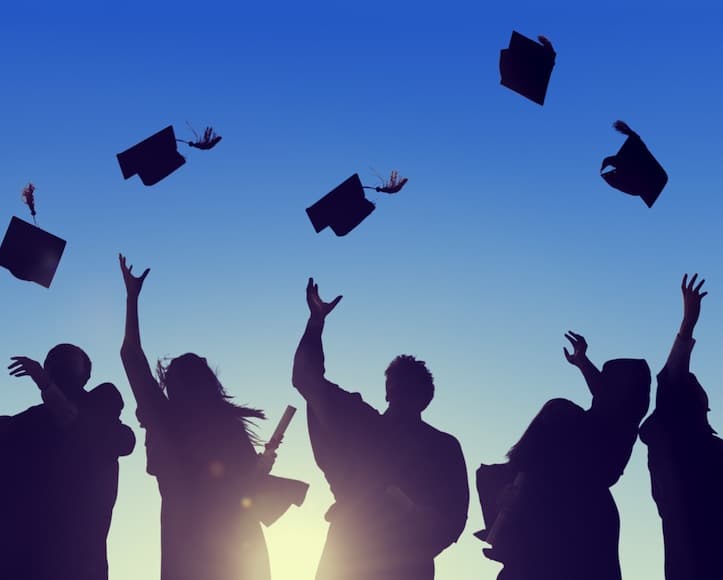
504,238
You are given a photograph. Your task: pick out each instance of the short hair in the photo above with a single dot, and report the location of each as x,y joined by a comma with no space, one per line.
68,366
409,382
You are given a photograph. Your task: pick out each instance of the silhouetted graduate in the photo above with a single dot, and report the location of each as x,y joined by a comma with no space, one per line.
400,486
345,206
215,488
60,472
549,513
28,252
636,171
685,458
526,66
156,157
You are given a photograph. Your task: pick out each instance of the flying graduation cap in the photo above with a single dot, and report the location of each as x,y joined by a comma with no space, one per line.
636,171
526,66
30,253
345,206
155,158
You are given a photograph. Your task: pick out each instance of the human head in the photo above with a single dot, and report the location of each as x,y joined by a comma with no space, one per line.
192,387
692,411
626,383
189,379
68,367
549,442
410,385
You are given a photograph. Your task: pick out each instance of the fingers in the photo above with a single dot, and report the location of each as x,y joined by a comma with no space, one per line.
18,361
575,338
690,286
145,273
567,354
19,366
334,302
692,282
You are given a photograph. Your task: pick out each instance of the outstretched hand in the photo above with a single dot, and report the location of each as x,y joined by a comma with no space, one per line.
692,297
318,309
133,283
23,366
579,348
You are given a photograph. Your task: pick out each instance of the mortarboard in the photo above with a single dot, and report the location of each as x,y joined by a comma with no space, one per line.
636,171
343,208
30,253
526,66
152,159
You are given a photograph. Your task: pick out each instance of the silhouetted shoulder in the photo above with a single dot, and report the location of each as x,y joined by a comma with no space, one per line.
347,405
105,399
444,439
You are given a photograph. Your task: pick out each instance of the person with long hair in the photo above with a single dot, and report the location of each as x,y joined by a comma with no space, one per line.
685,458
200,448
549,511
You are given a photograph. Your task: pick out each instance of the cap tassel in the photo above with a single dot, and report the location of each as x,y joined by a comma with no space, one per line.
622,127
29,199
209,140
393,185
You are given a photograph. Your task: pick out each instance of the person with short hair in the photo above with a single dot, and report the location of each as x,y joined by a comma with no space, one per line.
60,471
400,485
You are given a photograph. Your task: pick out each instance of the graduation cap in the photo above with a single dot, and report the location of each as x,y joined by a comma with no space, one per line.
30,253
526,66
345,206
636,171
152,159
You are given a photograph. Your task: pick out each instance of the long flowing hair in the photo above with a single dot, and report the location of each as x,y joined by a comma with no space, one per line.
550,441
206,389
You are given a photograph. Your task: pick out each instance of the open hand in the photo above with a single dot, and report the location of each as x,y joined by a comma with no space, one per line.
23,366
692,297
133,283
579,348
318,309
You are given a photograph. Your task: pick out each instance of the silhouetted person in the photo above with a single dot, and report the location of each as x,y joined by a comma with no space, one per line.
201,450
400,486
685,459
60,472
549,511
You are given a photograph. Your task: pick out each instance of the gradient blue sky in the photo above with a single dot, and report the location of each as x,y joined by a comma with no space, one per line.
504,238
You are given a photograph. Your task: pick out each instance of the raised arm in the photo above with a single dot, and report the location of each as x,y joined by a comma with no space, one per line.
144,386
678,363
62,409
579,359
308,372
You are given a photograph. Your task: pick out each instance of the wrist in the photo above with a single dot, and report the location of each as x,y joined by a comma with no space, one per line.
316,319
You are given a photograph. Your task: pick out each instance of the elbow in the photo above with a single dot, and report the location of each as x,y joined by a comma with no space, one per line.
298,379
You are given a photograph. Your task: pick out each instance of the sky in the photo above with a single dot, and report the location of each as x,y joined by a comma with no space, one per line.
504,238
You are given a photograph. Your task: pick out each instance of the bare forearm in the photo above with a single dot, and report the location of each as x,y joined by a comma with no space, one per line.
591,374
132,336
309,357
